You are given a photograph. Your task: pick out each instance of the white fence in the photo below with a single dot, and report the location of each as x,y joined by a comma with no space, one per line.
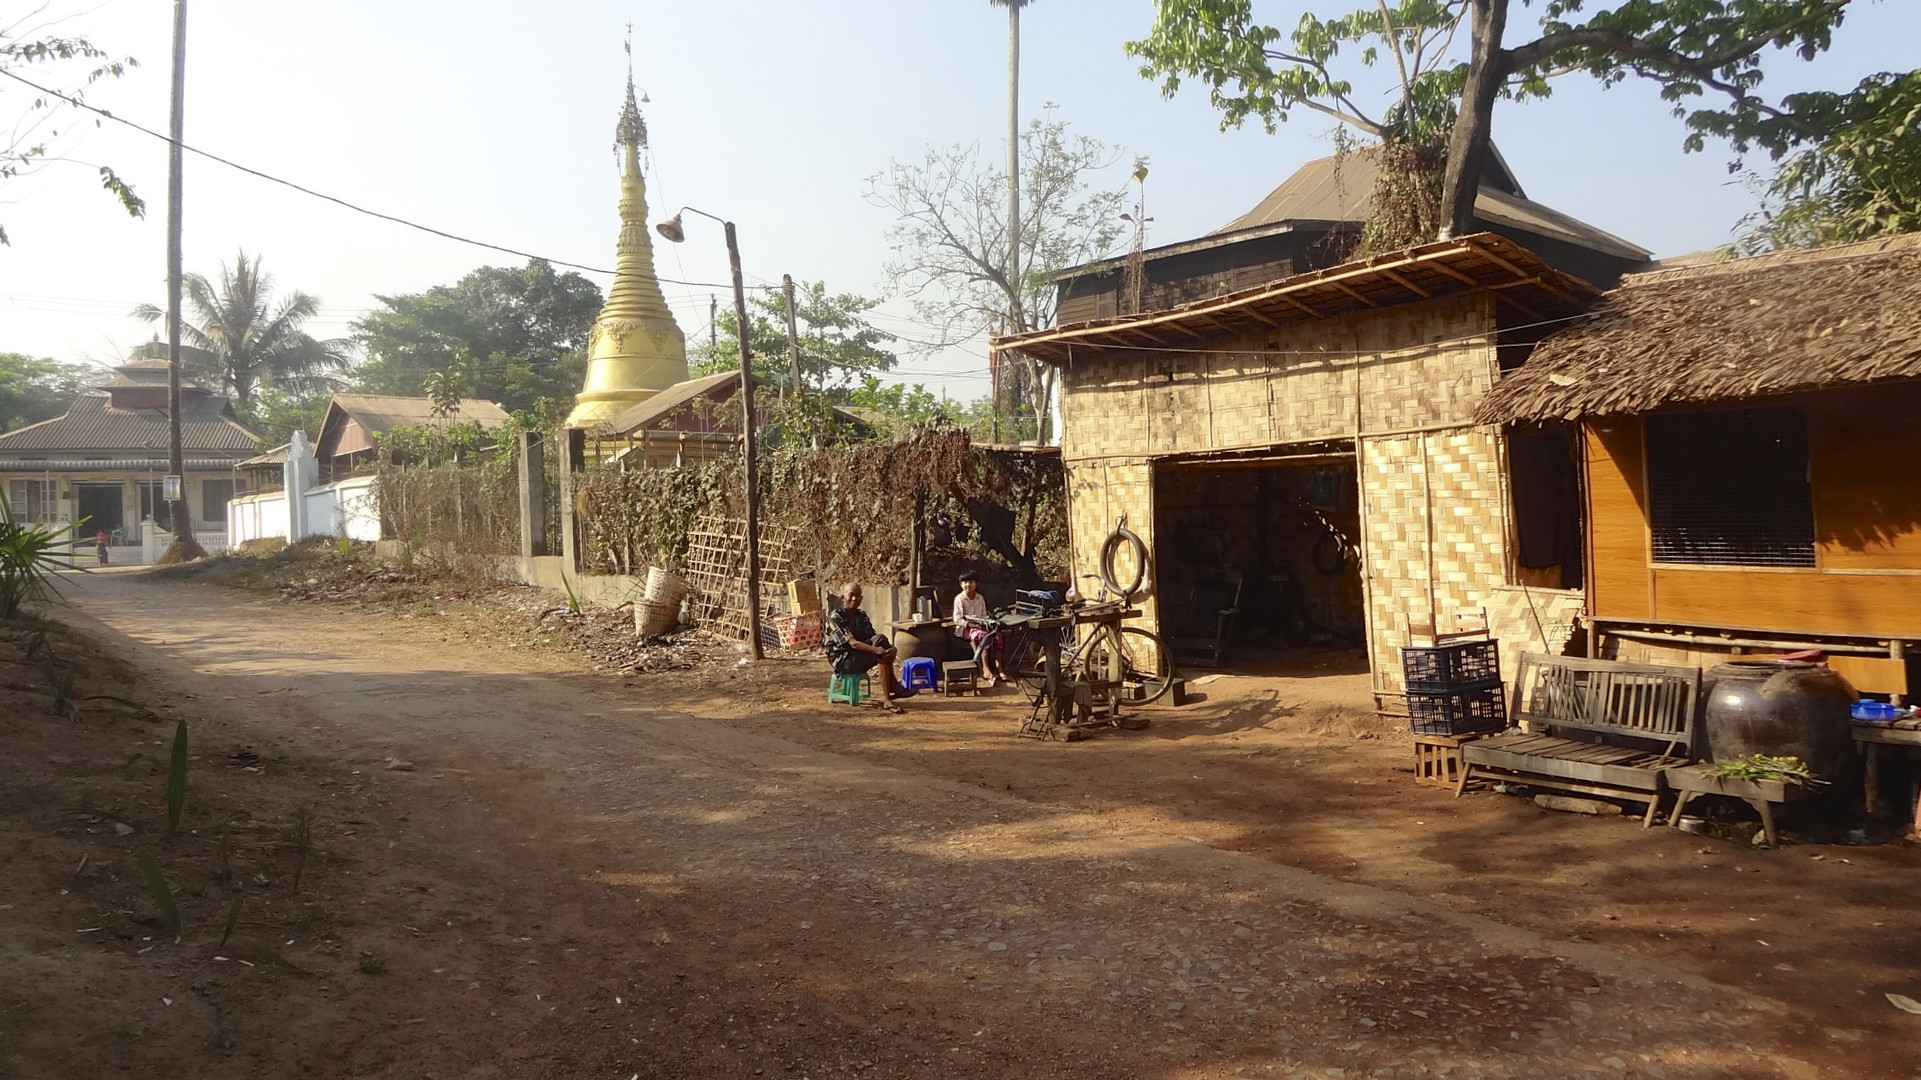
349,507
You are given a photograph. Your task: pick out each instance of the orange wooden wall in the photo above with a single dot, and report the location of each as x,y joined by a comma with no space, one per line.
1865,451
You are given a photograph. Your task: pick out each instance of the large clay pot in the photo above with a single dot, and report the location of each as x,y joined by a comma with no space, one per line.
1780,707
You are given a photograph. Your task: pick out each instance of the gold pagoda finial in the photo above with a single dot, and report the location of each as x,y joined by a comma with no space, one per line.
631,131
635,350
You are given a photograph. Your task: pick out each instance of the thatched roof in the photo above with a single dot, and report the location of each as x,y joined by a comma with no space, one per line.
1772,324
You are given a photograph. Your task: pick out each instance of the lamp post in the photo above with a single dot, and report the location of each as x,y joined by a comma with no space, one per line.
671,229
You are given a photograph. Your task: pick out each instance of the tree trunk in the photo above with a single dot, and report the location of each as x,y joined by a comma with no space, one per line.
1468,142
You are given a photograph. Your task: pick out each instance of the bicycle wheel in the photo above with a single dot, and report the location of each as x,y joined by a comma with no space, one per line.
1025,664
1145,666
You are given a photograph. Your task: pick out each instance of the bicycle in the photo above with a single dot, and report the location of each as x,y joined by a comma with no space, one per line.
1132,661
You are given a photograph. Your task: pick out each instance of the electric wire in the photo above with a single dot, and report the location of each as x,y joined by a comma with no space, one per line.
79,104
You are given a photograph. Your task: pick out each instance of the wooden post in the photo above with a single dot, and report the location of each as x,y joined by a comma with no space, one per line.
180,517
747,445
533,495
793,334
916,546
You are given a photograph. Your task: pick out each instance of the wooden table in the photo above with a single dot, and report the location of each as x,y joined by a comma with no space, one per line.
1872,738
1692,780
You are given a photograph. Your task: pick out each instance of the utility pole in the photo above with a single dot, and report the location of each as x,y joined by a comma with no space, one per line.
713,325
793,335
179,516
1019,319
747,444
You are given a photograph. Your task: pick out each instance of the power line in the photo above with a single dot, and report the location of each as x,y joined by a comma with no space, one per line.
79,104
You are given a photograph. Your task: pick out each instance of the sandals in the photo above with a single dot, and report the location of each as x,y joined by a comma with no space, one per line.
892,708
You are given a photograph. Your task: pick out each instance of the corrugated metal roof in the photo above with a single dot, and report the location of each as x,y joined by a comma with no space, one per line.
668,401
1340,188
380,412
156,465
1483,261
277,456
90,424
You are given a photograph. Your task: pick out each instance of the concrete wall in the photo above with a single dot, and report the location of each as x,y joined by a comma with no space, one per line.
256,517
348,508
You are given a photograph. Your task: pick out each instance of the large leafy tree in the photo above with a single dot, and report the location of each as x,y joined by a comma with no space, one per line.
951,241
515,335
50,73
1859,178
251,341
838,345
1705,54
33,389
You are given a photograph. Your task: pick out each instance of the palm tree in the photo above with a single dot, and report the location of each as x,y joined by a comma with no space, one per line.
255,343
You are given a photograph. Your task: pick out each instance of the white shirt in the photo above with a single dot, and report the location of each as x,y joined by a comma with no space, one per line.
965,605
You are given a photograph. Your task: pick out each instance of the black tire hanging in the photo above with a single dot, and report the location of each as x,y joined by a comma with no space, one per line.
1123,535
1330,553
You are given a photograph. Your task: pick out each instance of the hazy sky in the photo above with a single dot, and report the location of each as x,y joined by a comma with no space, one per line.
494,119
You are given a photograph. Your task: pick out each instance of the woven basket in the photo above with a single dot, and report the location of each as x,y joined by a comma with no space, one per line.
652,618
663,587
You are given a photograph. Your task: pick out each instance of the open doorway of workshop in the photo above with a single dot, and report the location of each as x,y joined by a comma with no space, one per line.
1274,539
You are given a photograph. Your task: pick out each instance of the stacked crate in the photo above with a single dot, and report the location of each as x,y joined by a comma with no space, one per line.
1454,689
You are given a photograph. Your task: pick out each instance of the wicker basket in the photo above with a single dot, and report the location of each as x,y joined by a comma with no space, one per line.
663,587
653,618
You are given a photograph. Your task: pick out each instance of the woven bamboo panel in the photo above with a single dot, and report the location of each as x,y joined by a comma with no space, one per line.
1416,365
716,570
1097,495
1447,486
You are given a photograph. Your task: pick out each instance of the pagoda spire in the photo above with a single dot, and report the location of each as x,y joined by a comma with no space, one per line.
636,349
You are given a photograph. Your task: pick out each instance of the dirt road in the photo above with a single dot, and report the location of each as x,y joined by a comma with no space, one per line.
561,880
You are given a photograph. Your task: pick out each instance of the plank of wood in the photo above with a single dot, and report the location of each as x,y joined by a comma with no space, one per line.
1613,775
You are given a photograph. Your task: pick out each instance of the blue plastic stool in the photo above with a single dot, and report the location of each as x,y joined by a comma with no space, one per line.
853,689
917,673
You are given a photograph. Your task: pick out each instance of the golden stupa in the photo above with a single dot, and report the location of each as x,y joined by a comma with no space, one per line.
636,350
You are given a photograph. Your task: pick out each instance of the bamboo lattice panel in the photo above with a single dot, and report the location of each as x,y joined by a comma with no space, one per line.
716,570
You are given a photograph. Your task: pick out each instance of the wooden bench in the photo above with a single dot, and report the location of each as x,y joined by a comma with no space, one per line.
1571,707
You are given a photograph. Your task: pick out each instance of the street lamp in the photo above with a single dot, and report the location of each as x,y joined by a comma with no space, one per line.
671,229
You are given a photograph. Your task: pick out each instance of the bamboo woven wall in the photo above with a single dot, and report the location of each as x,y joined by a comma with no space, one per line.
1416,365
1433,500
1434,534
1098,494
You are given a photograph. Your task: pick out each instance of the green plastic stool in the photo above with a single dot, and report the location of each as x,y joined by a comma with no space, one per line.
853,689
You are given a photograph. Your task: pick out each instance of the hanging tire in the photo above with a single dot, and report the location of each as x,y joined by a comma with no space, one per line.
1123,535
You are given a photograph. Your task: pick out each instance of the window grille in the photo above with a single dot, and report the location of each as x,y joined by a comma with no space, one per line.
1730,488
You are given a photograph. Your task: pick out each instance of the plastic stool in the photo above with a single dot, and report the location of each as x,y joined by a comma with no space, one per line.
853,689
917,673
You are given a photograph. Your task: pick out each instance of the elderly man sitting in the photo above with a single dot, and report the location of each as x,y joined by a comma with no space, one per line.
853,647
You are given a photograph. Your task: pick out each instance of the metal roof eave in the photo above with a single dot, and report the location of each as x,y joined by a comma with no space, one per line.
1481,261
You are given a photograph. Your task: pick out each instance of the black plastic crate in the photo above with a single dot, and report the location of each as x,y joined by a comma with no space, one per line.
1457,712
1467,665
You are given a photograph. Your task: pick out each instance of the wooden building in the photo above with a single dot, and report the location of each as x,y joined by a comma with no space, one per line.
1751,435
347,438
1315,439
1312,221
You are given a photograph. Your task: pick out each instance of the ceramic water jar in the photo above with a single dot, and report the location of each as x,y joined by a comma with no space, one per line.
1782,707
